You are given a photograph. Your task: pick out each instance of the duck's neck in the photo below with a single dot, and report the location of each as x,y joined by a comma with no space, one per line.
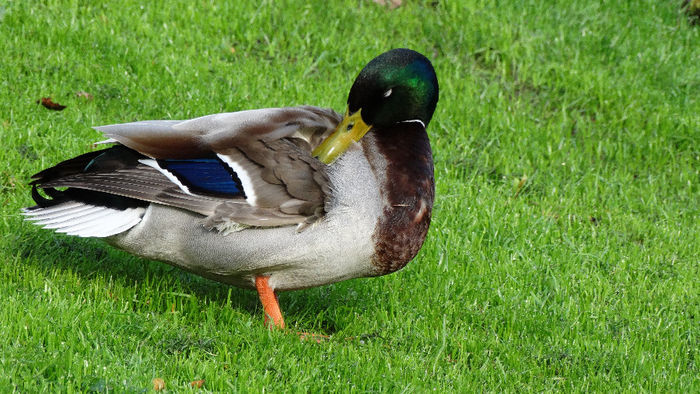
402,161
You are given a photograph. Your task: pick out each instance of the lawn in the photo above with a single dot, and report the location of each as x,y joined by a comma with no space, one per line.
565,245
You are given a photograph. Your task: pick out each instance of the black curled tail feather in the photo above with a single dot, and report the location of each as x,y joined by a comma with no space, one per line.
56,197
114,158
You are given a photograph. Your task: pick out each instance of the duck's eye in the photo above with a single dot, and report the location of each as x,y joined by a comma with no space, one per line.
387,93
350,126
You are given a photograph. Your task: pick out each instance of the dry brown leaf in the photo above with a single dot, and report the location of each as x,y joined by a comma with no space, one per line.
318,338
197,383
158,384
393,4
84,95
48,103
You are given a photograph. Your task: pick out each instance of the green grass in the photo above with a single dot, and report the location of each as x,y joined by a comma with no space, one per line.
564,251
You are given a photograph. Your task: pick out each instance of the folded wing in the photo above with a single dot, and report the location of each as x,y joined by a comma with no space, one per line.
250,167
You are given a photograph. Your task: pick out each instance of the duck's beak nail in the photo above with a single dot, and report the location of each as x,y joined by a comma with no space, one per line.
350,130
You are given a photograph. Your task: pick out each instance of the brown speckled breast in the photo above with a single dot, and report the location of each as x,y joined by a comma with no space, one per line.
403,163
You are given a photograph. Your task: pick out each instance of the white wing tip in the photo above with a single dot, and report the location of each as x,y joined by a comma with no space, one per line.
84,220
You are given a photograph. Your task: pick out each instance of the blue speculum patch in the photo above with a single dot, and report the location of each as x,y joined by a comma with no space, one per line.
205,176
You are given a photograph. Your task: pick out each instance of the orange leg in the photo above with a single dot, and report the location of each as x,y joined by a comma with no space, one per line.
271,307
269,302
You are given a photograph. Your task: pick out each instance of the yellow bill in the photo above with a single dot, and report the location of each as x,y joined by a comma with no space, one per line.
350,130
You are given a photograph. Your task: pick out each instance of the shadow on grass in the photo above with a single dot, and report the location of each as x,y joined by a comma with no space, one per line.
91,259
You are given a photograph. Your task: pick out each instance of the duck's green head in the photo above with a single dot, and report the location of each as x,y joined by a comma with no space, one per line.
397,86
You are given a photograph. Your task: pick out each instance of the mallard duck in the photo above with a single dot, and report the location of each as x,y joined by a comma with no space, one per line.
270,199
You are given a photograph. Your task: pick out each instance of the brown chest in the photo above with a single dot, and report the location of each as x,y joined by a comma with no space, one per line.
404,170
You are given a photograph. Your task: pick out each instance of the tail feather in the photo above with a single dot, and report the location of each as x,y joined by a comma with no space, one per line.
82,212
85,220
